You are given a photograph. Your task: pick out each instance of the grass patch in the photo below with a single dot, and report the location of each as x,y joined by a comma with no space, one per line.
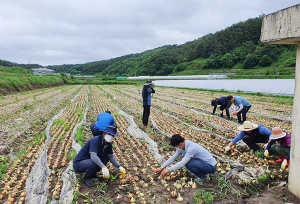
79,137
72,154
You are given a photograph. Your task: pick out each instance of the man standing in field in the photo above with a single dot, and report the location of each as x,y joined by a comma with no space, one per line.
194,157
146,94
103,120
95,154
243,104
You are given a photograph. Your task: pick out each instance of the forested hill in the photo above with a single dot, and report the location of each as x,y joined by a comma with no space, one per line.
237,47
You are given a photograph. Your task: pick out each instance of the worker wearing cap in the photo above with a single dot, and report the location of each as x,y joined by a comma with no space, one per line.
251,134
146,94
282,148
224,104
243,104
95,154
103,120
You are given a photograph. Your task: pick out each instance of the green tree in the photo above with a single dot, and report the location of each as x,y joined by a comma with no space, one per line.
251,61
227,60
265,61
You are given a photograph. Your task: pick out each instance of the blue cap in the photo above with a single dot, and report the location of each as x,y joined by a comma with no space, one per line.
112,129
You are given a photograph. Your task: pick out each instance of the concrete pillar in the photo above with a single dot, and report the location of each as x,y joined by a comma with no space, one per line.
282,28
294,175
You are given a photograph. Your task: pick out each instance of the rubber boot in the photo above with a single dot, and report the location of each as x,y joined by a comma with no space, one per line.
281,158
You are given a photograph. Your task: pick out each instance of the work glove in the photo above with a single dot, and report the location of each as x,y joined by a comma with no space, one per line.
227,149
265,146
122,170
283,164
267,153
105,172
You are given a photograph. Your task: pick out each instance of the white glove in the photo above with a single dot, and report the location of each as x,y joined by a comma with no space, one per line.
265,146
267,153
283,164
105,172
122,170
227,149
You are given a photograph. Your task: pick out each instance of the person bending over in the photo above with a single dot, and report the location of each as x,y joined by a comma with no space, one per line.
194,157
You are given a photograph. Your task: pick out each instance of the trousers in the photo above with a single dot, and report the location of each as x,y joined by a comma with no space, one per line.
146,114
200,168
251,141
86,166
243,113
96,132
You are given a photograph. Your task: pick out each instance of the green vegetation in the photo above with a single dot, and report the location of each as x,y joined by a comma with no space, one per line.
204,197
3,165
16,79
72,154
79,136
235,49
59,122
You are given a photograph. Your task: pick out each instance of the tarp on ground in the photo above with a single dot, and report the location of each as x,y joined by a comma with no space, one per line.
284,87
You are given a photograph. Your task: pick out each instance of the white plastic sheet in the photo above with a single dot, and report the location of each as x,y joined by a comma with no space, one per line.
284,87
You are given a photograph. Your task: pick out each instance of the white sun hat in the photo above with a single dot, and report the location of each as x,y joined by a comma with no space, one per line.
277,133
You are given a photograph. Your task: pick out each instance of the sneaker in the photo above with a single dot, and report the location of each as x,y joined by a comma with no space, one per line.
199,180
89,182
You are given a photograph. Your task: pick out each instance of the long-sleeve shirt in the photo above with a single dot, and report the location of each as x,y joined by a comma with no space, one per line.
192,150
96,150
146,94
221,101
240,102
284,142
261,130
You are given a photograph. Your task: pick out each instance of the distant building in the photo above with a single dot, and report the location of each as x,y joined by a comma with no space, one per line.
43,71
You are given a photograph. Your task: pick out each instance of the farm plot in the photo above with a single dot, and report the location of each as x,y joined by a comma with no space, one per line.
138,184
27,113
15,173
140,150
171,125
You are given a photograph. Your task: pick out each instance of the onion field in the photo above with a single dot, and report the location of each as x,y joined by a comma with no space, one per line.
41,132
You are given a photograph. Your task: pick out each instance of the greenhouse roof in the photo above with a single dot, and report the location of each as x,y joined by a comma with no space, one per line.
182,77
284,87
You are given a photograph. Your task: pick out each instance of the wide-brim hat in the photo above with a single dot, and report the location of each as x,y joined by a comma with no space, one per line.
277,133
247,126
112,130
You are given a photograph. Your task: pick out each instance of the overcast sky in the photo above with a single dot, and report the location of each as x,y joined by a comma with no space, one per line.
55,32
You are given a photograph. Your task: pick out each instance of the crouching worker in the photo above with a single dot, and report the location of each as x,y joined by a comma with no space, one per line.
282,148
251,134
95,154
195,158
103,120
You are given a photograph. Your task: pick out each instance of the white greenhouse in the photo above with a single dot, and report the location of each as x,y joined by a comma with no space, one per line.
284,87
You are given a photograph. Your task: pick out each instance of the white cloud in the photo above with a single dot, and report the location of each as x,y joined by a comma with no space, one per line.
53,32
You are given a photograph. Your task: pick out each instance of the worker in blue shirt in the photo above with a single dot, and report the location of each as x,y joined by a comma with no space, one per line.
95,154
251,134
224,104
243,104
103,120
146,94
